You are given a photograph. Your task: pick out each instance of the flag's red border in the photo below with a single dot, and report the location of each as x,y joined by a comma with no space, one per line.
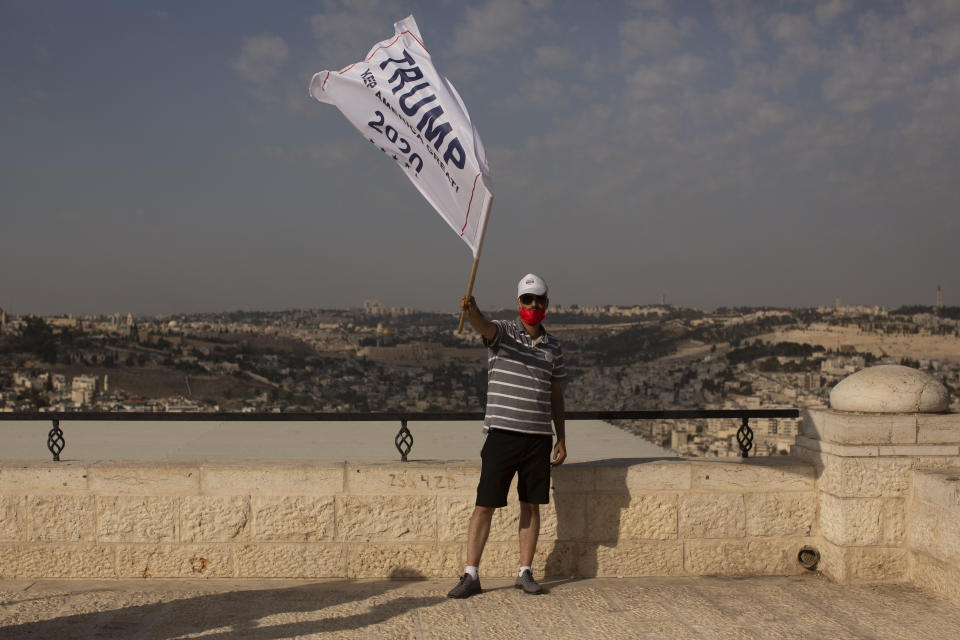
393,42
469,204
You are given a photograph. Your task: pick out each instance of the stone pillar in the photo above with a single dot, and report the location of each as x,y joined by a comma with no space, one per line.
883,423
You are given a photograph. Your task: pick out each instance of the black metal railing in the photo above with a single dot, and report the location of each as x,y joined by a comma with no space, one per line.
404,438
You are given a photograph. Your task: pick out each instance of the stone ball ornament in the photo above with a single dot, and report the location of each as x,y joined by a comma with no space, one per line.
890,388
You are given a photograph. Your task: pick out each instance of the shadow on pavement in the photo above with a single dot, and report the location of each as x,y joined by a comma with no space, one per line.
234,614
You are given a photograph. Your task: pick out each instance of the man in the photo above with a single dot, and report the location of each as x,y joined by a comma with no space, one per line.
524,392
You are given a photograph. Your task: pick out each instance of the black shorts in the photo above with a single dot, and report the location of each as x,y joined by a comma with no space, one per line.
505,453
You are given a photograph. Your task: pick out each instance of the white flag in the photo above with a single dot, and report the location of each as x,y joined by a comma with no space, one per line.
399,102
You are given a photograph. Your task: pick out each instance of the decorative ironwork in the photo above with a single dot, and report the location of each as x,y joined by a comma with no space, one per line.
404,440
55,441
745,437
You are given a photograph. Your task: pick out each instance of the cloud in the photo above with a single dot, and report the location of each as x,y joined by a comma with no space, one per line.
740,20
884,62
789,29
947,41
553,58
330,155
801,53
933,12
654,6
488,31
652,36
829,10
346,29
543,93
261,58
495,26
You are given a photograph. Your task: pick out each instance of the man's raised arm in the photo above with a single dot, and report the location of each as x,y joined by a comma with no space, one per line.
480,324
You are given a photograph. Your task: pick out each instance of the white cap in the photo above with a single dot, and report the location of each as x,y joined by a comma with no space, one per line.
531,283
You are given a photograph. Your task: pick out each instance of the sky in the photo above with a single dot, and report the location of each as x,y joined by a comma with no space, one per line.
165,157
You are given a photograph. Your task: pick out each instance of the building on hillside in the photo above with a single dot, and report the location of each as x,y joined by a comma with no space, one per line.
83,389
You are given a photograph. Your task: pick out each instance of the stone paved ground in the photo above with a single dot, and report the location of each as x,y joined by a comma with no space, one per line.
788,607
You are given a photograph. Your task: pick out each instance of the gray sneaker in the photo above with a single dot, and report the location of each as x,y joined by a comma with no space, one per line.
467,587
526,582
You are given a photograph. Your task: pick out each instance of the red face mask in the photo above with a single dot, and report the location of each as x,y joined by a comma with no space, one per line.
533,317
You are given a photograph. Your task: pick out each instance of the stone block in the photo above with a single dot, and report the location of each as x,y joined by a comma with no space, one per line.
564,518
711,515
937,488
604,513
274,479
924,528
769,557
13,518
865,477
858,450
293,518
66,561
505,523
938,463
214,518
386,518
576,477
860,428
137,518
931,575
935,530
174,561
832,562
631,559
942,428
650,477
453,517
60,518
777,515
374,479
617,518
862,521
383,560
10,560
920,450
146,479
282,560
754,474
43,477
851,565
554,558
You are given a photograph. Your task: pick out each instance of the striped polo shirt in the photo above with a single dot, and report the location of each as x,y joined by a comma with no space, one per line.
520,372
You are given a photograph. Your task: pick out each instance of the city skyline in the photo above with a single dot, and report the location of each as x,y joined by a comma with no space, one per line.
374,308
164,158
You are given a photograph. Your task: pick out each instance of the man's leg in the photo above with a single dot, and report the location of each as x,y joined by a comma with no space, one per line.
529,532
477,534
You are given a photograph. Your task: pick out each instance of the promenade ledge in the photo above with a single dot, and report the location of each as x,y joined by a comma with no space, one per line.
866,497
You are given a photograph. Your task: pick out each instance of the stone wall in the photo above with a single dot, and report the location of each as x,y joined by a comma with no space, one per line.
295,520
867,466
933,532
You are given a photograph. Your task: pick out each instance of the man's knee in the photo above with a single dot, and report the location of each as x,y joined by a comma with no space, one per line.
483,513
529,508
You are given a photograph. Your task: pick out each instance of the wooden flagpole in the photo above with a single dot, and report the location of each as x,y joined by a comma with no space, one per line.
476,261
